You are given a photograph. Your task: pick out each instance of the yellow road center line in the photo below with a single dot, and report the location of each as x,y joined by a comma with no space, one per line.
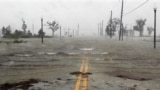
85,76
78,81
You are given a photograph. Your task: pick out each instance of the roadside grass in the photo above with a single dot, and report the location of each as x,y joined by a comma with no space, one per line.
13,41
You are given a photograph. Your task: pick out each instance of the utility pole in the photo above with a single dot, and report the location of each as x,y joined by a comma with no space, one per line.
155,9
60,32
98,29
73,33
111,26
42,30
102,29
121,24
68,32
78,30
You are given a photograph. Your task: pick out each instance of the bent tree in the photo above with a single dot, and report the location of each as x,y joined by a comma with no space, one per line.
54,26
112,26
140,26
150,30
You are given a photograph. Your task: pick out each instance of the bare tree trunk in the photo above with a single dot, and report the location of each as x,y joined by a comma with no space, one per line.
141,33
53,34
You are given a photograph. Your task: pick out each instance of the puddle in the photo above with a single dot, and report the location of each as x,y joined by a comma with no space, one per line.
34,84
121,86
50,85
104,53
58,53
67,54
134,78
24,55
8,63
86,49
51,53
72,53
44,85
41,53
99,59
99,53
46,53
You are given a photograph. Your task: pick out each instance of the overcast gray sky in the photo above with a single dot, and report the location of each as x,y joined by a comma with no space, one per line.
70,13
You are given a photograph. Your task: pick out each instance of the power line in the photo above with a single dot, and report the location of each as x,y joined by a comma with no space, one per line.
136,8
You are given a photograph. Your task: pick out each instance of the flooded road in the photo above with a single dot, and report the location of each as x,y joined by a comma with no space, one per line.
82,76
80,65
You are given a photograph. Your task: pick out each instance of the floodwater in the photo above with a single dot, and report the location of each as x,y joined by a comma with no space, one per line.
108,64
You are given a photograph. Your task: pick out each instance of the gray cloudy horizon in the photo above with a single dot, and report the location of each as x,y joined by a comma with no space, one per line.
70,13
